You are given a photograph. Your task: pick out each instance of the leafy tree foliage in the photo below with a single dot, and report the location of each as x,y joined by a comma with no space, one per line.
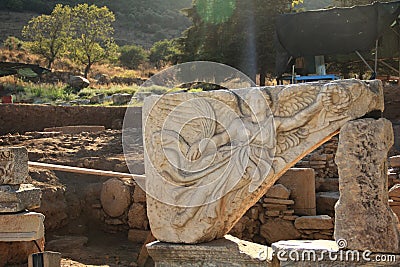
132,56
242,38
49,34
13,43
164,52
91,33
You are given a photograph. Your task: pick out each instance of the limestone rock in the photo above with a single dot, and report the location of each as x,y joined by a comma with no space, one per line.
301,183
115,197
139,195
13,165
97,99
278,201
121,99
321,222
362,215
279,229
278,191
78,82
209,155
137,217
226,252
23,226
19,197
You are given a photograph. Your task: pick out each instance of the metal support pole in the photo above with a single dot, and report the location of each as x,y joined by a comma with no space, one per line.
376,57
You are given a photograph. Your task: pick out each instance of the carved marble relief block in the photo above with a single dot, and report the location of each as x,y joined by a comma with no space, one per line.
209,156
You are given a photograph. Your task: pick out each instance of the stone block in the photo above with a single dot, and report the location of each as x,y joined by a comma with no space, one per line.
278,201
13,165
24,226
362,215
278,191
276,229
45,259
301,183
320,222
15,198
121,99
226,252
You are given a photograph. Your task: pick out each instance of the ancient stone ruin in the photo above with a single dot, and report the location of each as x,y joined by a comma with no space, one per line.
21,231
184,208
210,156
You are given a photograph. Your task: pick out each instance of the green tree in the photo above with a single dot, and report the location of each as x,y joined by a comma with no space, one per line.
164,52
92,35
48,35
240,36
13,43
132,56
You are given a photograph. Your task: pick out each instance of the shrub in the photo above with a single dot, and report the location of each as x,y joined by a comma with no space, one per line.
132,56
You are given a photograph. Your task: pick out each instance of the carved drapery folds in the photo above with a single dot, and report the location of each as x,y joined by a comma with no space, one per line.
210,156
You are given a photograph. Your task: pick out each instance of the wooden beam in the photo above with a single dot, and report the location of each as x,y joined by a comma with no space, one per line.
63,168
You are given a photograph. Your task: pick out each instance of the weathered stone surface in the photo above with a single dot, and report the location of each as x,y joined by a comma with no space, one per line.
24,226
121,99
115,197
138,236
137,217
13,165
279,229
139,195
362,215
314,222
15,198
209,156
78,82
394,161
278,191
301,183
17,253
48,259
326,202
226,252
278,201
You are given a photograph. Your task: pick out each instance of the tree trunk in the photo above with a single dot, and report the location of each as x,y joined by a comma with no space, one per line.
87,69
50,63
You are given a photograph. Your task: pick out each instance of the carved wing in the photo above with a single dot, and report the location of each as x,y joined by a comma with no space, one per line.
295,98
291,101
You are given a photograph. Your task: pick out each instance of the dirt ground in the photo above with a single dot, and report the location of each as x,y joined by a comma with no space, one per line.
103,150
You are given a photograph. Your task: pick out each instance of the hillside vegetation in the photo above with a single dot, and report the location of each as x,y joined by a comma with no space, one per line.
141,22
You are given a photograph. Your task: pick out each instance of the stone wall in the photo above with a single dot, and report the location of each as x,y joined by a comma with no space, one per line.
23,118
